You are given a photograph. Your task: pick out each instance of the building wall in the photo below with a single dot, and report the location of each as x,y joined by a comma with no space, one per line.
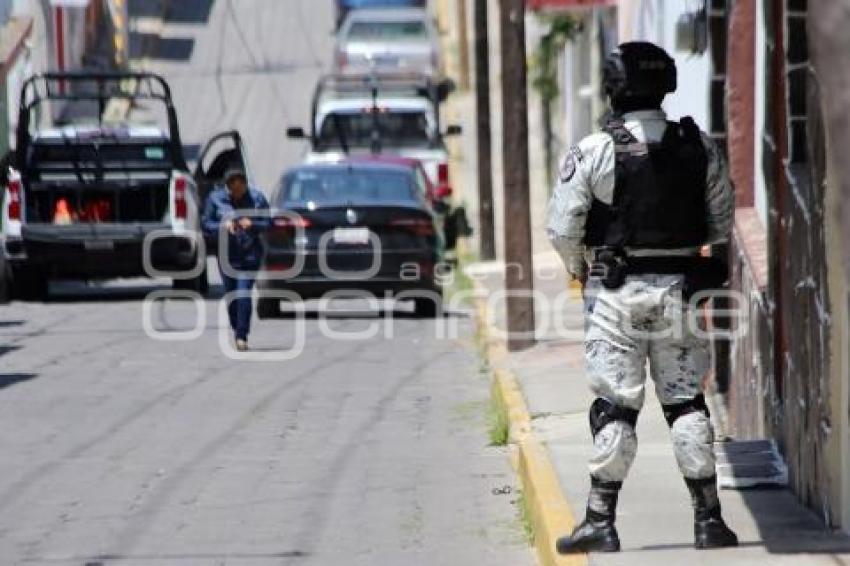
830,44
655,21
787,381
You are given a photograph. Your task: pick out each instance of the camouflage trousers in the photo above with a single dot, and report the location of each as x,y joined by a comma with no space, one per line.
643,321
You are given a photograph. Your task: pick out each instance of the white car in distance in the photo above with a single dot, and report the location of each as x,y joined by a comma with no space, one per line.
388,39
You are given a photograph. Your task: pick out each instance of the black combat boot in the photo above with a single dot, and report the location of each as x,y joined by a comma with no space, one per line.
597,532
709,529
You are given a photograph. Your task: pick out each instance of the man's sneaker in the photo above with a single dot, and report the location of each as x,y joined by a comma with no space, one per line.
241,345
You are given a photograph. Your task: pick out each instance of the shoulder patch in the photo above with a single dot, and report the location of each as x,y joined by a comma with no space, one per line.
569,164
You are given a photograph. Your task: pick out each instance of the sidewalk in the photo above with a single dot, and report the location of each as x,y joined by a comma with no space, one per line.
655,520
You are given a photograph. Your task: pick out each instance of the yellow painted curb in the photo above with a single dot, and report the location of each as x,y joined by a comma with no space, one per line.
549,510
547,506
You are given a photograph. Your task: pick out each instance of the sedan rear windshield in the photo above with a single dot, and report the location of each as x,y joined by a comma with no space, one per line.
388,31
391,129
347,185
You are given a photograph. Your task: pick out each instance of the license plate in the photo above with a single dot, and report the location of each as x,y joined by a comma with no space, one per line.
99,245
351,236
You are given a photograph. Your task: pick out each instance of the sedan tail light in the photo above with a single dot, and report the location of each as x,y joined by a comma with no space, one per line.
416,226
14,192
442,174
181,208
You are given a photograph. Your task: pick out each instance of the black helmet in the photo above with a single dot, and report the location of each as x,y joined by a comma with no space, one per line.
639,69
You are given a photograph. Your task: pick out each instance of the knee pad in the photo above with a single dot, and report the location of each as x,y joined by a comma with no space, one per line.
603,411
677,410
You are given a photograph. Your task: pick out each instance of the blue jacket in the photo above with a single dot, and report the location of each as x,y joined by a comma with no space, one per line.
245,248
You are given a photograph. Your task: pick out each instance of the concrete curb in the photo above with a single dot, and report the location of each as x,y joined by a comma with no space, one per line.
547,506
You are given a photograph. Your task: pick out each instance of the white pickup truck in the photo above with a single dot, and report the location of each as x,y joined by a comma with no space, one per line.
89,200
397,114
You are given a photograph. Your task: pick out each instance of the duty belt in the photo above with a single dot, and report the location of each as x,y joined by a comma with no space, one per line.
611,267
661,265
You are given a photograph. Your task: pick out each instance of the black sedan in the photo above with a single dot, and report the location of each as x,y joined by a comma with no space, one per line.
358,226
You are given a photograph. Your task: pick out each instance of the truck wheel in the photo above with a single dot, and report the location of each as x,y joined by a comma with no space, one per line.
5,284
29,285
268,308
428,307
199,284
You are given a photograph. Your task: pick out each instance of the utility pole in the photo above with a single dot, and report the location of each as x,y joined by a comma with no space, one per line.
463,40
519,274
485,151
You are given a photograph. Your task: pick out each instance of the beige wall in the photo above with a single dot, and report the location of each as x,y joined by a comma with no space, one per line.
839,378
830,45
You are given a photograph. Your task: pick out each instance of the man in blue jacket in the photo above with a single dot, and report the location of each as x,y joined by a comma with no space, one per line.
242,211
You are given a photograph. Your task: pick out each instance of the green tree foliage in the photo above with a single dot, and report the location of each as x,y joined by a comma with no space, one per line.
562,28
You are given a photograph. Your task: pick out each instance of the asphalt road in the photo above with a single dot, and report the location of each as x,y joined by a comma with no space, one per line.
122,445
244,64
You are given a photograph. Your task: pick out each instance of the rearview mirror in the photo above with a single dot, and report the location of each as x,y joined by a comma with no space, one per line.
445,88
454,130
296,133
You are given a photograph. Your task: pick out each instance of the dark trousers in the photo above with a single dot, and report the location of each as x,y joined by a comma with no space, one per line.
239,309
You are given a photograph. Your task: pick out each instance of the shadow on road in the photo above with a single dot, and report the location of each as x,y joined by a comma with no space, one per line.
361,314
8,349
168,48
194,12
9,379
82,293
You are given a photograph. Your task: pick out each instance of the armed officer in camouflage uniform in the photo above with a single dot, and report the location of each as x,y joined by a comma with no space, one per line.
633,206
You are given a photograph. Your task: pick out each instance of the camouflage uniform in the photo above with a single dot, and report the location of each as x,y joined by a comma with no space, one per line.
646,317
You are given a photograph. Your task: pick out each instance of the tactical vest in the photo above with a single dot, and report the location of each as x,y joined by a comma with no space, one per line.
659,191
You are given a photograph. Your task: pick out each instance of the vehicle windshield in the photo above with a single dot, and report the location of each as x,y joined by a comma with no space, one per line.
346,185
394,129
388,31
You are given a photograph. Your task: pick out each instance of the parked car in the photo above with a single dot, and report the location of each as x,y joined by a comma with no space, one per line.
83,195
388,39
343,7
357,224
452,220
396,114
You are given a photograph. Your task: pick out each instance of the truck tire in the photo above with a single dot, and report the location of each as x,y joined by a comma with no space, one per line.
5,283
29,285
268,308
428,307
199,284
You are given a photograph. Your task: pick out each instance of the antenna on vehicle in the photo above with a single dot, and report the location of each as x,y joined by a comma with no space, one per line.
340,134
376,132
